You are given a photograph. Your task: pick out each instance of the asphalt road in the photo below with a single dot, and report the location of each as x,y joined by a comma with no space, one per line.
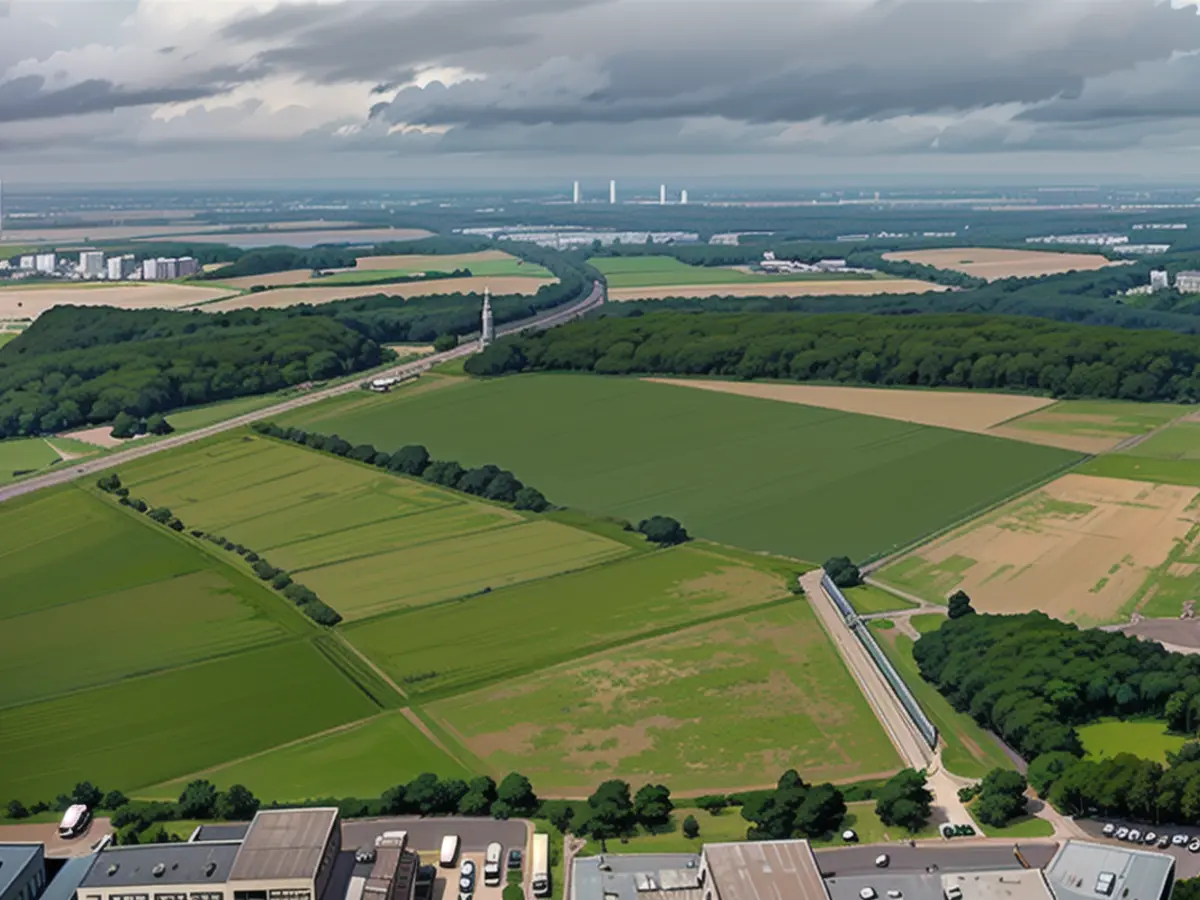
71,472
948,857
425,835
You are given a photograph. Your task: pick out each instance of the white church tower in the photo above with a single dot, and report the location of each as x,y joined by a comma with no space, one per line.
487,329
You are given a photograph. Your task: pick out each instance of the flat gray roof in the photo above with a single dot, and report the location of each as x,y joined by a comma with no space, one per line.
284,843
913,885
183,863
15,859
69,877
765,870
1006,884
623,872
1139,874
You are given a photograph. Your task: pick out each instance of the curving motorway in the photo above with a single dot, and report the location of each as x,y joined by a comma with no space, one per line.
71,472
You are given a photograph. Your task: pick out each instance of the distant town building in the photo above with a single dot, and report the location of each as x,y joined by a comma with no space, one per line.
27,262
120,267
91,263
188,266
1161,226
150,270
46,262
1188,282
1159,280
1094,240
1141,249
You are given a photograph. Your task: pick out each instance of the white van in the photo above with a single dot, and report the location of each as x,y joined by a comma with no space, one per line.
492,864
539,876
449,851
74,821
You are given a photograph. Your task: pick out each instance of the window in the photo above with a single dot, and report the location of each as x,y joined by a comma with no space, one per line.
207,895
290,894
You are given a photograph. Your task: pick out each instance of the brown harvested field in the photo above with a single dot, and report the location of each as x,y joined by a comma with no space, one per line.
286,235
960,410
1079,549
47,833
270,279
443,263
844,286
281,297
993,264
31,302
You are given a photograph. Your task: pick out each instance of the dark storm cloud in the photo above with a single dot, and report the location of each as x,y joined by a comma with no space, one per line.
25,98
1163,91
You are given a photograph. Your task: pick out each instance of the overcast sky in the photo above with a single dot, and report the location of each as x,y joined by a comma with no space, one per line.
192,90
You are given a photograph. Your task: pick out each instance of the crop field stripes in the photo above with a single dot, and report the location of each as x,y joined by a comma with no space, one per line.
380,689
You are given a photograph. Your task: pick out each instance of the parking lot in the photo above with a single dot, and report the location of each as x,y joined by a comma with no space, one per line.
1187,864
425,836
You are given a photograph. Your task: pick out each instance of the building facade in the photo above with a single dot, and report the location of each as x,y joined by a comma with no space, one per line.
22,871
1188,282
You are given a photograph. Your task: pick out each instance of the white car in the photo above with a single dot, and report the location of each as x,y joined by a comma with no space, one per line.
1194,846
1122,833
1135,835
1151,837
1109,829
867,893
895,894
882,860
1180,840
849,836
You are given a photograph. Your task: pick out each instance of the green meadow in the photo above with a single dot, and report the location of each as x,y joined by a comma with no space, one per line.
485,268
659,271
665,709
868,599
1171,456
1098,418
1146,738
361,760
146,730
452,647
21,455
784,478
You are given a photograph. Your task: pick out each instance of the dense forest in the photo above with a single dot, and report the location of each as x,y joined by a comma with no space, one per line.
962,351
84,365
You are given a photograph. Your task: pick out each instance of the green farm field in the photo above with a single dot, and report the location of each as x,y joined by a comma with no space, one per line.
969,751
1147,739
662,271
784,478
532,626
482,268
1170,456
361,760
24,455
868,599
1092,426
666,710
147,730
366,541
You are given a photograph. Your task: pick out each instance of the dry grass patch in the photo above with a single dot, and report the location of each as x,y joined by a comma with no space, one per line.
844,286
270,279
31,302
283,297
442,263
1079,549
101,436
960,410
993,264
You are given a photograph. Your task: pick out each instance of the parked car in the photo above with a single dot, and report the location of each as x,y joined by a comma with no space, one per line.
466,877
882,860
895,894
1109,829
1122,833
849,836
868,893
1134,835
365,855
1151,837
1180,840
1164,842
1194,846
514,858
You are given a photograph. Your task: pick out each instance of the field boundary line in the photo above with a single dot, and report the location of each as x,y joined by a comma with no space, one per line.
429,725
346,726
873,564
395,518
387,679
1133,440
604,647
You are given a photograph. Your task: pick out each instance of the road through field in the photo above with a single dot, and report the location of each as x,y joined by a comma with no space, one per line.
550,320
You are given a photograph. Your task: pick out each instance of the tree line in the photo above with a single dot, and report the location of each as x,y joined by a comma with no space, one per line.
488,481
80,366
304,598
959,351
282,258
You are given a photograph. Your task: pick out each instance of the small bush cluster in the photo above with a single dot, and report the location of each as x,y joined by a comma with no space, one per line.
308,602
490,482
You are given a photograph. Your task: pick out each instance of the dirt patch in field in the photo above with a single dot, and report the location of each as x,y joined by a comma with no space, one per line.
270,279
993,264
31,302
1078,549
962,410
861,287
281,297
98,437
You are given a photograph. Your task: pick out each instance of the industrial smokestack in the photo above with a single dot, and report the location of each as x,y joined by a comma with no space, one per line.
683,197
576,196
662,195
612,192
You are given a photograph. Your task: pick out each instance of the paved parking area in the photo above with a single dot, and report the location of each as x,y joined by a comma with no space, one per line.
947,856
425,835
1187,864
47,833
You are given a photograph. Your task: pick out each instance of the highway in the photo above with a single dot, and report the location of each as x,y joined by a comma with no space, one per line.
71,472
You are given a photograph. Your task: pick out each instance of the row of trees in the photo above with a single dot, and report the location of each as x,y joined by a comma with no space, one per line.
304,598
961,351
87,365
489,481
263,260
1032,679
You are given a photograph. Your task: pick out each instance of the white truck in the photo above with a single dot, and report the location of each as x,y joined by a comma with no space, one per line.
449,851
539,871
492,862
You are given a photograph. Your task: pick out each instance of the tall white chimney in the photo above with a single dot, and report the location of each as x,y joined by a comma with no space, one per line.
612,191
683,197
576,196
662,195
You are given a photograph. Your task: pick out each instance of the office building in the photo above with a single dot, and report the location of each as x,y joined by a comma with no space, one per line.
1082,870
120,267
285,854
187,266
1188,282
150,270
91,263
1159,280
27,262
22,871
46,263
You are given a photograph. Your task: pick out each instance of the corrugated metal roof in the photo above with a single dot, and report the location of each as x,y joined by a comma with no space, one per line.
765,870
283,843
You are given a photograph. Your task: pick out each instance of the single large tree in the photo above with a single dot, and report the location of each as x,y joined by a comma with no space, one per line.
612,812
652,805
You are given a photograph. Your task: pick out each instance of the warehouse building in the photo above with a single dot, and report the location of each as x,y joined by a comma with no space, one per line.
286,854
1082,870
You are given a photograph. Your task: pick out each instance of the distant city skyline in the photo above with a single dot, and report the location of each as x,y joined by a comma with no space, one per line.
155,91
